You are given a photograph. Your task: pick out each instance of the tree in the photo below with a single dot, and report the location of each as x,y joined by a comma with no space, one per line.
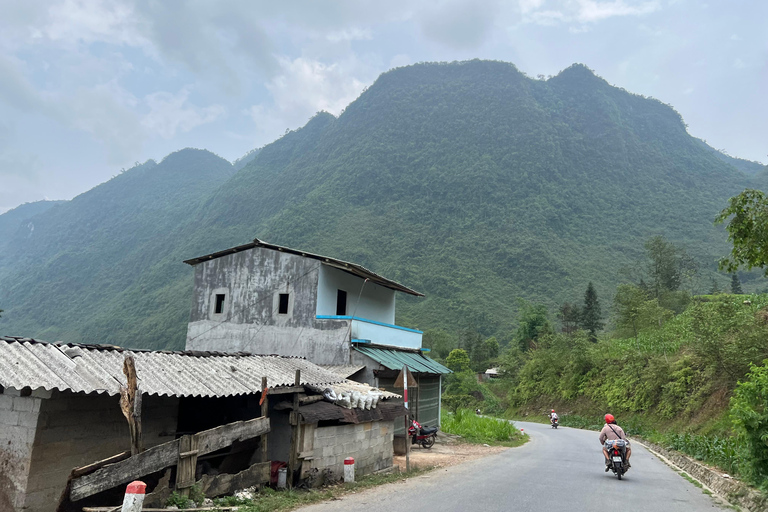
591,313
534,322
663,267
735,285
747,230
458,360
714,289
635,310
440,342
570,317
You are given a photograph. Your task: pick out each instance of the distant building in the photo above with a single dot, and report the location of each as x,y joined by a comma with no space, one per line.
268,299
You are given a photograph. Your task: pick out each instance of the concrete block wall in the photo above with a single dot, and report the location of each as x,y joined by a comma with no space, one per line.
370,444
18,423
76,429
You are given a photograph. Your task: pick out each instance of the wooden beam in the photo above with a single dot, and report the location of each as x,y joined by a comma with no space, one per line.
130,404
185,472
287,389
163,456
293,457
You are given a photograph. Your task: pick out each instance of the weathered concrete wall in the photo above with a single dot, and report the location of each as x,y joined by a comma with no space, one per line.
370,444
18,423
376,302
76,429
250,321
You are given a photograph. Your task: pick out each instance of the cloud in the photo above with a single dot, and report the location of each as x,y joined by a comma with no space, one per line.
582,11
350,34
458,24
171,113
303,88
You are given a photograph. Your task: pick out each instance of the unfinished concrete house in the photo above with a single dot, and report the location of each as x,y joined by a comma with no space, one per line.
218,421
269,299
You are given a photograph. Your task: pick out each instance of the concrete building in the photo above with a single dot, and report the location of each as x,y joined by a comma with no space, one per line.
269,299
59,410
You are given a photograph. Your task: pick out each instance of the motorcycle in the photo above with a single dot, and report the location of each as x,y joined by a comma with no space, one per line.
617,453
554,423
425,436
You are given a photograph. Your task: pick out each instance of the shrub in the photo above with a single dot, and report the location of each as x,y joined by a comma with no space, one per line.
749,409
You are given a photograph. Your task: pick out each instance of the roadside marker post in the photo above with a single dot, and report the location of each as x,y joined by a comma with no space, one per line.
349,470
134,496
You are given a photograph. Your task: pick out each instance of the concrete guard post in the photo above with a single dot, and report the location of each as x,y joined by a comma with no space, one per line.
349,470
134,497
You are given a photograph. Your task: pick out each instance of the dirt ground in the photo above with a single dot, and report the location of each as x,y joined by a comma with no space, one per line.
447,451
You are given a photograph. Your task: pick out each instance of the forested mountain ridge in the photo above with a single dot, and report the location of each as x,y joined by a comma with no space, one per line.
468,181
68,279
14,219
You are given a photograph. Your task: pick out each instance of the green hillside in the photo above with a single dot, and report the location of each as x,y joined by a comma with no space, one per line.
468,181
15,219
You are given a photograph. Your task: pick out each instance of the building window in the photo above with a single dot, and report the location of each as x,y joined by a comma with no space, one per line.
219,307
282,307
341,303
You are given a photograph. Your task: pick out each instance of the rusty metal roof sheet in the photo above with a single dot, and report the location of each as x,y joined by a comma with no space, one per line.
352,268
25,362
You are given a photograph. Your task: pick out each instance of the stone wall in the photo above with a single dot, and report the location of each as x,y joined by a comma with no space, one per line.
77,429
18,422
370,444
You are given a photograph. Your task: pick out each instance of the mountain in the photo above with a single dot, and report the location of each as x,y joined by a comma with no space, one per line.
93,266
748,167
468,181
14,219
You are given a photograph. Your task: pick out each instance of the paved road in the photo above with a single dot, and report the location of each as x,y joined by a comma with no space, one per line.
556,470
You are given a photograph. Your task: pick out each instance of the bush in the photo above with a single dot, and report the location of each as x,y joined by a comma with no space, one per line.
749,409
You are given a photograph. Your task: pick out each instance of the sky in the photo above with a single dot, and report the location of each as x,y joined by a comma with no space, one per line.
88,88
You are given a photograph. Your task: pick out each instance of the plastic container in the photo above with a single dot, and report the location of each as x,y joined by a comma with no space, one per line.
282,478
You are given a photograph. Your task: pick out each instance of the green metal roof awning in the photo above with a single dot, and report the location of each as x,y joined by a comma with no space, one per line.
395,359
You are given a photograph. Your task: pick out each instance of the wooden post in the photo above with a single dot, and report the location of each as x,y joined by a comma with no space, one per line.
185,471
407,421
264,413
293,459
130,404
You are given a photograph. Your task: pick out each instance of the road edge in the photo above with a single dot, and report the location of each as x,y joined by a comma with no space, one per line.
728,489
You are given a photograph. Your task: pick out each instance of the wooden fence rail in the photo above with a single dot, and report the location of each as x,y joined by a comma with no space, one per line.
167,454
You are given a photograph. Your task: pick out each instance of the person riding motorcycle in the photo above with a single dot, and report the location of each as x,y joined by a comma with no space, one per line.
552,416
611,431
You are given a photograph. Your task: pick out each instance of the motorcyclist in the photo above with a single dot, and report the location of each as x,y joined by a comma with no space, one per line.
611,431
553,417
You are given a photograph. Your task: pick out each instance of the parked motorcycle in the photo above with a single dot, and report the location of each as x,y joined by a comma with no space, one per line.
554,423
617,452
425,436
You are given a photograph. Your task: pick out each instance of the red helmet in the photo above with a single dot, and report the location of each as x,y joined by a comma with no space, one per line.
553,410
609,418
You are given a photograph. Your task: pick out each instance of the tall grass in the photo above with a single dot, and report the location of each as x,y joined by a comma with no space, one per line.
723,452
479,429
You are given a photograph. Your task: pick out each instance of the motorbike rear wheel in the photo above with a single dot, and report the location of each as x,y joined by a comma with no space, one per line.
618,470
429,442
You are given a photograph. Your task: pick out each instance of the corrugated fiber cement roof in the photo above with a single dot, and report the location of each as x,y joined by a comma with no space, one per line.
395,359
25,362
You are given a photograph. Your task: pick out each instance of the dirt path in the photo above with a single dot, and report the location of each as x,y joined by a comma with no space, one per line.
448,451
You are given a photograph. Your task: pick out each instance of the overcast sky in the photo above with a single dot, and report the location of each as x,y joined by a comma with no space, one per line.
90,87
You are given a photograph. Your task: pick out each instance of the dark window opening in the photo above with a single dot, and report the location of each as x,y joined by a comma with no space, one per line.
341,303
219,309
282,308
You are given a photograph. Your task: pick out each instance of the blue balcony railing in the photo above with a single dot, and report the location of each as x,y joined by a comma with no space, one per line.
380,333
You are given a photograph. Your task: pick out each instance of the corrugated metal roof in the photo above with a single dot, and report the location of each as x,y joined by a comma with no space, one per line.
25,362
395,359
344,370
352,268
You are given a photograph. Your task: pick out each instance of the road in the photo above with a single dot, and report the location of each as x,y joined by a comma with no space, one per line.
556,470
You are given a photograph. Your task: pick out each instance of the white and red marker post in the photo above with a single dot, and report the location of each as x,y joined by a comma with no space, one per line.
134,497
407,421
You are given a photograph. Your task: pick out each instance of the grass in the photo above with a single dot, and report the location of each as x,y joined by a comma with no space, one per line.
481,429
270,500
